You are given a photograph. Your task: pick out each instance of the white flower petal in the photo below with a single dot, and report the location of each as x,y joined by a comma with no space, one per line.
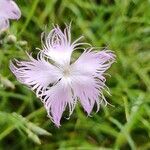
4,24
87,79
87,91
9,9
58,45
57,99
93,63
37,74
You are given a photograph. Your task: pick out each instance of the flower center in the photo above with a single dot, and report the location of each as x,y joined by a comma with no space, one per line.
66,71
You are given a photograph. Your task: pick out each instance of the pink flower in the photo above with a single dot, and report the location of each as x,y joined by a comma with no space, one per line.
58,81
8,10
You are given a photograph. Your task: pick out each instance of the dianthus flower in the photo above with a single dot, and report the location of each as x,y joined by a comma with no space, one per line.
8,10
58,81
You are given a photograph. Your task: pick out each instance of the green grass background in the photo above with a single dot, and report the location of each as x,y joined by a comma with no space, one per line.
121,25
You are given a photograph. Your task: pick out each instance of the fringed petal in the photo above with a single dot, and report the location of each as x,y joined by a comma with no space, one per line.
37,74
88,79
91,62
87,91
58,46
56,100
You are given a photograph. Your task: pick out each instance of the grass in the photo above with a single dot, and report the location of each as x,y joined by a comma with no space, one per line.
121,25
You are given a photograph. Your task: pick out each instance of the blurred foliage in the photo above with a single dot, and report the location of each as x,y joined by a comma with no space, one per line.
121,25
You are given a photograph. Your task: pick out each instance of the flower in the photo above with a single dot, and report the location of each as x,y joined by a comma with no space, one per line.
8,10
60,83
